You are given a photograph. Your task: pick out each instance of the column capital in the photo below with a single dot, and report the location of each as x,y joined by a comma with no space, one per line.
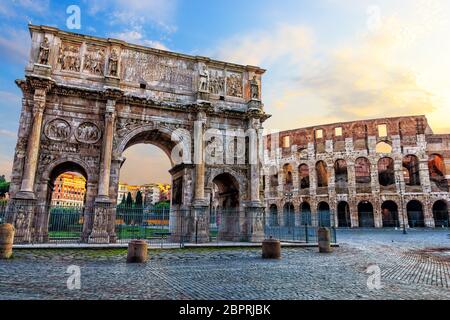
41,85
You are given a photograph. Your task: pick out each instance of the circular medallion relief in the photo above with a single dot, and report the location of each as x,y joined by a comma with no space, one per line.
88,132
57,130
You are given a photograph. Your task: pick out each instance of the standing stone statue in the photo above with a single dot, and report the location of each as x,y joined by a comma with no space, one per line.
204,78
44,52
254,88
113,63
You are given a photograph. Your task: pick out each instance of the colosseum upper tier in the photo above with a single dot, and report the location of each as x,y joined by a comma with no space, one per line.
389,172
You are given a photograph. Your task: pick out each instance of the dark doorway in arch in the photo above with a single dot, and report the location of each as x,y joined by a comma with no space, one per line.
289,215
365,215
386,175
324,215
341,176
273,220
305,214
416,218
343,210
411,170
303,172
66,199
389,213
287,170
226,195
322,174
440,214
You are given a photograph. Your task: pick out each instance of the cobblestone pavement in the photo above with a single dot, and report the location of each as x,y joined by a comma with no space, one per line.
407,271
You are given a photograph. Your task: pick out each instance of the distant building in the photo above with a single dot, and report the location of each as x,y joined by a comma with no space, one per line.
69,190
152,193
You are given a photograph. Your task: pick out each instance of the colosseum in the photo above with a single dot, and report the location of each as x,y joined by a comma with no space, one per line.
389,172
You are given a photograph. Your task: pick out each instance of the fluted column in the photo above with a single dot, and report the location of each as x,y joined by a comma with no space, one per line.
32,153
105,167
199,159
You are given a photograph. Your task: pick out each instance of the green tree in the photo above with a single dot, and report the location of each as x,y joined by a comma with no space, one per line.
124,200
4,185
129,201
138,202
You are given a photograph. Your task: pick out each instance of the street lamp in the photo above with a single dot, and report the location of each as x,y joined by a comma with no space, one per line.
403,211
289,196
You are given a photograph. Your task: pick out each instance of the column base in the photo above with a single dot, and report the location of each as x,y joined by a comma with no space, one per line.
25,195
21,216
255,217
200,232
102,215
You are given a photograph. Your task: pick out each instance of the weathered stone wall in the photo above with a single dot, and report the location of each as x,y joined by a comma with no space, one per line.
399,169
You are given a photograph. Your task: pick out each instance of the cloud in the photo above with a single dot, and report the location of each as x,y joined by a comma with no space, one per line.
137,37
137,13
9,98
15,45
7,133
285,41
13,8
368,74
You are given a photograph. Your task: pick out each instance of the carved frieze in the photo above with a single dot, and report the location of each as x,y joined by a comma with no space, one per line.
94,61
57,130
217,82
69,57
88,132
234,84
151,68
61,147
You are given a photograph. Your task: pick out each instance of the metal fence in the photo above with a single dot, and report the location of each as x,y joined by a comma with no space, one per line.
163,226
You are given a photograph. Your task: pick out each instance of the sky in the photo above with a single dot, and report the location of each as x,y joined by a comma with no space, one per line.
327,60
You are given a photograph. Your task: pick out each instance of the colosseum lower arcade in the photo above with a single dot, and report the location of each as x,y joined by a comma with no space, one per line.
378,173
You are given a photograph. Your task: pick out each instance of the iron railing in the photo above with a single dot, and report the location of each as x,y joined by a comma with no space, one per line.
158,226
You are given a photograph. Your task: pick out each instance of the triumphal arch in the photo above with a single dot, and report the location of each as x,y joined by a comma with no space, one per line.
87,99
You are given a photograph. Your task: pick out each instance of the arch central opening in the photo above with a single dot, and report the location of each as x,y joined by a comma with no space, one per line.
144,190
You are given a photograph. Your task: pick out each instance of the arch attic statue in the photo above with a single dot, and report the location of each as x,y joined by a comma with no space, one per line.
86,109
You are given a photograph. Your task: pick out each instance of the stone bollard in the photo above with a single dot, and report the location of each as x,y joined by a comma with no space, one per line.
324,239
6,240
137,251
271,249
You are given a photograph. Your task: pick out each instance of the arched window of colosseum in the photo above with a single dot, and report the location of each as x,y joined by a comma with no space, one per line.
362,170
436,167
273,216
383,147
340,171
338,132
322,174
440,214
305,213
386,176
274,181
287,170
411,170
303,172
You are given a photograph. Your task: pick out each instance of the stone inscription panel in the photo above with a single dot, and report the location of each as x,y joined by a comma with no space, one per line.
157,70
